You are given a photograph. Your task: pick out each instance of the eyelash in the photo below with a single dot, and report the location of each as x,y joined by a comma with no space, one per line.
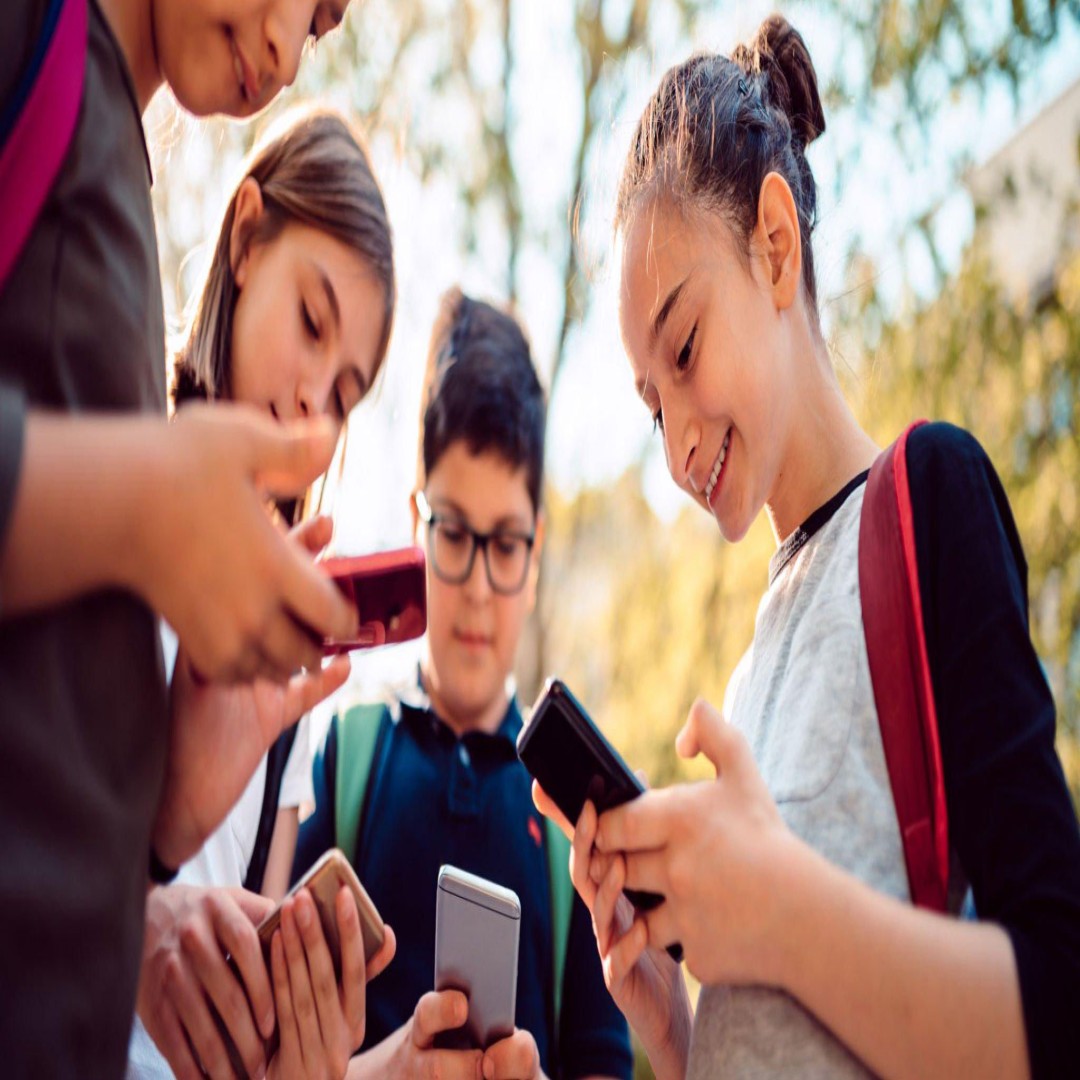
309,322
682,362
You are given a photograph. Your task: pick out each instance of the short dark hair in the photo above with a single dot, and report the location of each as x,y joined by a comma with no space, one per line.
481,387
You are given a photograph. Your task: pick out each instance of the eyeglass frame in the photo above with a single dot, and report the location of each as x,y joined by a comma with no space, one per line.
480,540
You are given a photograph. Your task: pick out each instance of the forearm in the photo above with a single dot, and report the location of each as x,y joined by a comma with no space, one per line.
669,1059
911,993
76,513
377,1061
279,859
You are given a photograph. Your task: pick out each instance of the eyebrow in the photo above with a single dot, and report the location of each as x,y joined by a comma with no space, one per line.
665,311
658,324
509,521
331,295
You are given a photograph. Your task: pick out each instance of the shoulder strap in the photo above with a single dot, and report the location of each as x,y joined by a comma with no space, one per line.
276,759
357,733
900,672
562,908
37,126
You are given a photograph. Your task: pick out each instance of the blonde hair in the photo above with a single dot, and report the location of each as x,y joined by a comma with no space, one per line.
316,173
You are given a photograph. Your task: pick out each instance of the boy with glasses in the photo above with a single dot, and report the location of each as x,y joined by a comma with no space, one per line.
433,776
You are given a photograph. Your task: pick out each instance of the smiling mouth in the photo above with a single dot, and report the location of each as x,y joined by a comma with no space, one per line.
718,468
247,88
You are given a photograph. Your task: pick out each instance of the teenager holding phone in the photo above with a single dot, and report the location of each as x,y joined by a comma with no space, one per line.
784,879
438,762
109,514
293,319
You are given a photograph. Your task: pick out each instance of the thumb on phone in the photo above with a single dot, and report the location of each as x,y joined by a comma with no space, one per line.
285,459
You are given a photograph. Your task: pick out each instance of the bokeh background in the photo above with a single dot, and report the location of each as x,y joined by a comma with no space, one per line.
948,255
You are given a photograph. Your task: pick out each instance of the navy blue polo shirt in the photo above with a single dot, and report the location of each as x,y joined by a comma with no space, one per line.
434,798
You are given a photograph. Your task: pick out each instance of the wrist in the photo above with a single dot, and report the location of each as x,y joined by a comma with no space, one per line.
791,920
149,478
670,1059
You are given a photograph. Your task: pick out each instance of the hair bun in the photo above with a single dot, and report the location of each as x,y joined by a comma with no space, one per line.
779,51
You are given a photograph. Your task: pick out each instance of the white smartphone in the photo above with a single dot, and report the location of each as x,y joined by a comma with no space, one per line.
477,925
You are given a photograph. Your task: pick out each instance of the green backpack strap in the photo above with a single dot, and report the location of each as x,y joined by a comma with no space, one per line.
562,907
357,733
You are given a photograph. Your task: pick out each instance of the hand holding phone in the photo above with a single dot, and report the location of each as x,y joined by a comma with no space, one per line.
323,881
572,761
389,590
477,925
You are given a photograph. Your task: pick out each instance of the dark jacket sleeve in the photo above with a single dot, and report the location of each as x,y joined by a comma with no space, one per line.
317,830
594,1039
1011,820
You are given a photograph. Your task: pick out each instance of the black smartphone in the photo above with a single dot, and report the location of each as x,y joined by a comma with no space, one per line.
567,753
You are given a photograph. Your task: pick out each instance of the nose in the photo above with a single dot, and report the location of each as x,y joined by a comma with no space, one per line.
477,587
680,449
285,33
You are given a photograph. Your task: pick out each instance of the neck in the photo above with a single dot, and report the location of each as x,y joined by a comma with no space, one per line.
826,447
132,24
486,719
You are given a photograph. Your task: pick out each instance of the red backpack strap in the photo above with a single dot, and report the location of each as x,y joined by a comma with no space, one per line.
900,672
34,149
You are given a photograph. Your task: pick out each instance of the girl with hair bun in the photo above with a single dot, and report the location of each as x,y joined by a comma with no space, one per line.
785,879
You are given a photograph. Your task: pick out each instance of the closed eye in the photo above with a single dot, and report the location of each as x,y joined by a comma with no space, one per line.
309,322
683,360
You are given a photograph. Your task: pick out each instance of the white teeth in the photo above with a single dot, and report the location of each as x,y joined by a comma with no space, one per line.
717,468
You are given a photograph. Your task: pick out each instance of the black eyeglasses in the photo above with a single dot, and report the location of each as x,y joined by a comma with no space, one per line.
452,548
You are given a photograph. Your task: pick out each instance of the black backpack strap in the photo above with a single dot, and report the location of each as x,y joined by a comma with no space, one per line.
276,760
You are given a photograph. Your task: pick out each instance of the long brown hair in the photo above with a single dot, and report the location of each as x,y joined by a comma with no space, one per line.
314,173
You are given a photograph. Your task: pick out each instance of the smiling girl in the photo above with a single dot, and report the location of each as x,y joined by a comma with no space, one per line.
784,878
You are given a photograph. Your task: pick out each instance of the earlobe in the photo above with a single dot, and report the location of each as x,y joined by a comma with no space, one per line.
537,551
414,512
247,209
781,238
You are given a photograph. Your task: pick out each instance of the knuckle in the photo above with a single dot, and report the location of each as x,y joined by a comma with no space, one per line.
172,973
680,877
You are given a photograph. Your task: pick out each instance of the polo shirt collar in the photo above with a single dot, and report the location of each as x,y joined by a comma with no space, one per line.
415,704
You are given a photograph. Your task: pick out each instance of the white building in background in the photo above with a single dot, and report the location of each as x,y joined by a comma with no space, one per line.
1030,189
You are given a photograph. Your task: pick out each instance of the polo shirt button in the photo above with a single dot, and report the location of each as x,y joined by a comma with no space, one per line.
463,755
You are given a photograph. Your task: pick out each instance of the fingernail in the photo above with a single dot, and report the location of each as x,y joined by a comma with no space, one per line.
303,914
268,1024
260,1073
489,1069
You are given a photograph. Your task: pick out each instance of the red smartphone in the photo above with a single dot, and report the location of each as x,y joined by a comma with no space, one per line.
389,589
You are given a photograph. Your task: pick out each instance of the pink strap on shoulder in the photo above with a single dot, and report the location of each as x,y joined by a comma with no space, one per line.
39,140
900,672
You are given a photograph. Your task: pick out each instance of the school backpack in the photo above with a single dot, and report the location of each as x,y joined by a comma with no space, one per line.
900,673
359,734
37,124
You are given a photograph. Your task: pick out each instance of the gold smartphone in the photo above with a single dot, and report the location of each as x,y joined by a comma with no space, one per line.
323,880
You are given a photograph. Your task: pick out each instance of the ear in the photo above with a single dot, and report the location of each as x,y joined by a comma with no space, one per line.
414,512
247,209
534,566
778,238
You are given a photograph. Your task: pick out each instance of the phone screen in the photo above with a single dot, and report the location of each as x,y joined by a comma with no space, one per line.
568,754
389,590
